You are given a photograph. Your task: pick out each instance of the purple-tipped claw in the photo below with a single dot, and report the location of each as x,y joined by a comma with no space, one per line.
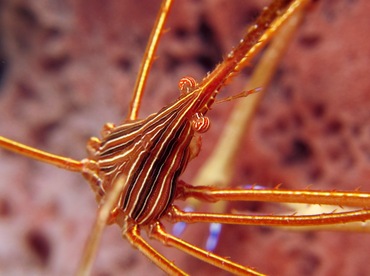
253,187
214,236
179,227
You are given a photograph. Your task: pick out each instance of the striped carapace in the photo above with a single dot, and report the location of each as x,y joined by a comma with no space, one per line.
153,152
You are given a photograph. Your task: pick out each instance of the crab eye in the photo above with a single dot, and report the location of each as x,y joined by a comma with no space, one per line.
187,84
200,123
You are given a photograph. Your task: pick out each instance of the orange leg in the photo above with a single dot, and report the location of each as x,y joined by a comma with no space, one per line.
106,211
43,156
211,194
133,235
148,59
158,232
176,215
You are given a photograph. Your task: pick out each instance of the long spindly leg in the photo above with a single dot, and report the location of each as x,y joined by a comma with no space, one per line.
176,215
106,211
339,198
158,232
342,201
43,156
133,236
148,59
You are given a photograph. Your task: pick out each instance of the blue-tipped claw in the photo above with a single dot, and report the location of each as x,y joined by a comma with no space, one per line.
214,236
179,227
253,187
214,228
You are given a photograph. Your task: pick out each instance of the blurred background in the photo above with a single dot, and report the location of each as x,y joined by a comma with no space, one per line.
68,67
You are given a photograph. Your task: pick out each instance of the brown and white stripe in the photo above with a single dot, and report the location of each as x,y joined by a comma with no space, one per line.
152,153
